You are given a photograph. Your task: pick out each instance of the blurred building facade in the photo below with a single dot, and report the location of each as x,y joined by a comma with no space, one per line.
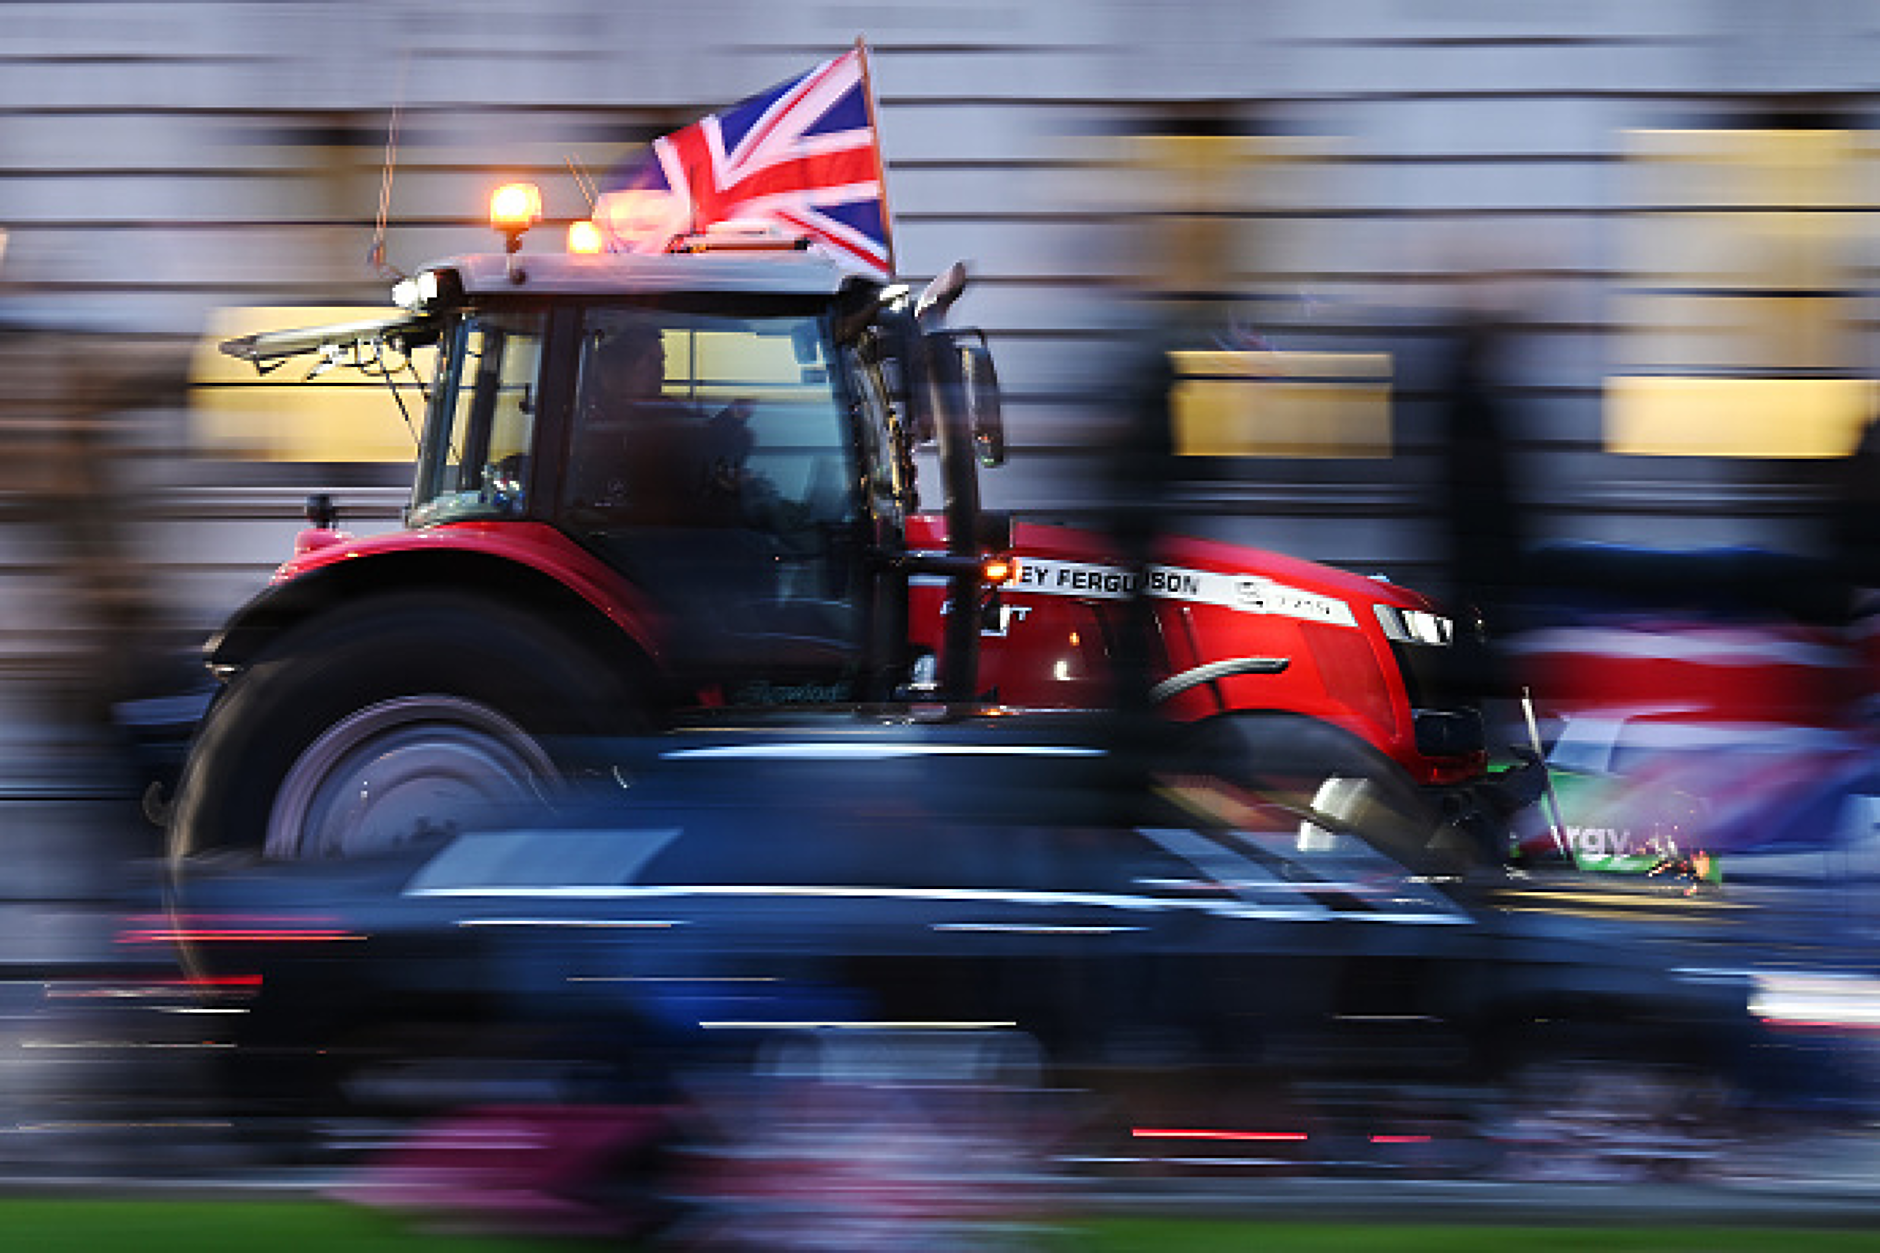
1667,206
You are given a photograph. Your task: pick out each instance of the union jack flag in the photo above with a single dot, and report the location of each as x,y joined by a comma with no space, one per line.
802,156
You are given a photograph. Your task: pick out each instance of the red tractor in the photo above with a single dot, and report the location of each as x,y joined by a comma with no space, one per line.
676,490
1252,652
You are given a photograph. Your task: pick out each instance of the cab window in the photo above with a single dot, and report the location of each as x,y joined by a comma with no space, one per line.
698,420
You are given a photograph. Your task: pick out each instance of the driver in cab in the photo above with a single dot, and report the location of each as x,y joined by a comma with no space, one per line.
658,460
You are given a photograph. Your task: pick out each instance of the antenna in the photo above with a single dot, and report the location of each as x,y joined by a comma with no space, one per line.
375,257
583,181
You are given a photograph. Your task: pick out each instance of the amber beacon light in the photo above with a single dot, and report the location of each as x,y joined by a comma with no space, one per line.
514,208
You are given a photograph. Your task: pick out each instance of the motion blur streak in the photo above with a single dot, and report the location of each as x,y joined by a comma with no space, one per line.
1560,311
1158,1133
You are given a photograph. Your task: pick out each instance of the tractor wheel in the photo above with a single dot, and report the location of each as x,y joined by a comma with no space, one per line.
392,723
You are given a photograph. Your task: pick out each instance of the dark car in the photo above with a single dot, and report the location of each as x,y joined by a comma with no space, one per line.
1128,922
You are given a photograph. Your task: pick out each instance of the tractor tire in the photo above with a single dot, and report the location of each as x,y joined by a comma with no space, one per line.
392,723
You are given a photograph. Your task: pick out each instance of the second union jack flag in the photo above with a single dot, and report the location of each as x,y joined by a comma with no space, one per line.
802,157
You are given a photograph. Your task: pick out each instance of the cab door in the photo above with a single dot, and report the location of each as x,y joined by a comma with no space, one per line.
710,461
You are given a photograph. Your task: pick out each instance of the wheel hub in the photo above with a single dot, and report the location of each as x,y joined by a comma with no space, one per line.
401,774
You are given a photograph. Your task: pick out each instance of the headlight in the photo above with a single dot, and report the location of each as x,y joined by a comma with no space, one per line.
1415,626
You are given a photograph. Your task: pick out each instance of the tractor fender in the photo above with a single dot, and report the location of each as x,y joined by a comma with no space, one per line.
610,620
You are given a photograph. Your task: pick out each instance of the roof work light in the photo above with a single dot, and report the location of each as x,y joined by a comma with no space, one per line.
585,237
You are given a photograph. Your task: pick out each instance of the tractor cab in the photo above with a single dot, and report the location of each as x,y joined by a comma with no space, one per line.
731,434
707,432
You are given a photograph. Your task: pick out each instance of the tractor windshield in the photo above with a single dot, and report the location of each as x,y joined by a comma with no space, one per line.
475,457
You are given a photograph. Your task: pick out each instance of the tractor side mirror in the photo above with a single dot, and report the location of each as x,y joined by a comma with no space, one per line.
984,414
968,379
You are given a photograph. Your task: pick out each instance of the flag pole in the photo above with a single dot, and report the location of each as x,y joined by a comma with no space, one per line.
881,170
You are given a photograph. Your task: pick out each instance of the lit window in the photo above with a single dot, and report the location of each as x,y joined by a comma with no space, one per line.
1736,326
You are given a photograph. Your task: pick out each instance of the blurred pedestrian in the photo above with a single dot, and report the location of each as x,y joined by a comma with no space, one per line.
1138,482
1135,486
1854,518
1484,531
